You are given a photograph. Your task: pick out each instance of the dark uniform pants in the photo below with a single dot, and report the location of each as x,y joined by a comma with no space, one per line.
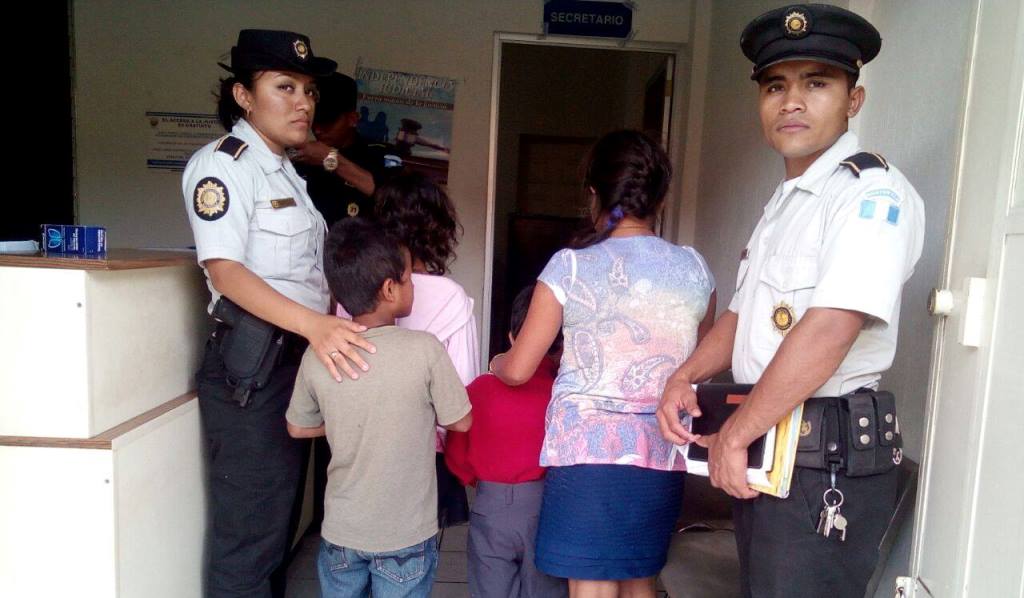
502,533
781,553
254,471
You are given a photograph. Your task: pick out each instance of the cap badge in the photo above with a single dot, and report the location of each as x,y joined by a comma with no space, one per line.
353,209
301,49
783,318
860,63
211,199
805,428
796,24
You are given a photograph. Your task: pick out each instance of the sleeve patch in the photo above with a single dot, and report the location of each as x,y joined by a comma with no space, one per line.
867,209
893,217
885,194
210,199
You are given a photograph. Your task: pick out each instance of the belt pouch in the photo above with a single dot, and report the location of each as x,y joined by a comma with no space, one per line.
871,438
810,448
251,347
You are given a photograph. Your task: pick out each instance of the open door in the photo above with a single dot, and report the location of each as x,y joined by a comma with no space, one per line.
969,539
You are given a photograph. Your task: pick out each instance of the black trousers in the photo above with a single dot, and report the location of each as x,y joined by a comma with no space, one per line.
254,473
781,553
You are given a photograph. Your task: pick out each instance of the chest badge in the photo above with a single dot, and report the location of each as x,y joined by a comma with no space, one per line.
353,209
211,199
783,317
805,428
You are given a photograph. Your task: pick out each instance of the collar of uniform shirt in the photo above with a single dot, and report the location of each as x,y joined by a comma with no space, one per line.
814,179
268,160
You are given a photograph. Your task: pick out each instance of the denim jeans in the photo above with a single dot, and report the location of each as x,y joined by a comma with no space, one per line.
407,572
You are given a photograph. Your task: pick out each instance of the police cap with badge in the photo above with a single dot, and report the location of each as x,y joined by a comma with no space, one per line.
817,32
266,49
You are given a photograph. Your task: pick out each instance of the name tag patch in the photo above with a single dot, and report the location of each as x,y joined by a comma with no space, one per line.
286,202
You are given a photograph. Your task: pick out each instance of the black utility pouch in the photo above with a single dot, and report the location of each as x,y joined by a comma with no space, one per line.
250,348
810,448
873,443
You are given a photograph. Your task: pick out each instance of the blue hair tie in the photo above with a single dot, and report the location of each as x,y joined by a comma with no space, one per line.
615,217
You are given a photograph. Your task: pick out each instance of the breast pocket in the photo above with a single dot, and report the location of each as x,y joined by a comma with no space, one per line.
280,238
790,282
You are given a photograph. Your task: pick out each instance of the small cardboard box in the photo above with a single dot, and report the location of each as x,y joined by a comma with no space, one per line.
73,239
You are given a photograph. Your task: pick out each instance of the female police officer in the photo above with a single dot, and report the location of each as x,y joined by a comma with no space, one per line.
260,242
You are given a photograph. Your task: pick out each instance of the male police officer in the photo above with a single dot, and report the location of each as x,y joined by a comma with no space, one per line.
341,169
815,314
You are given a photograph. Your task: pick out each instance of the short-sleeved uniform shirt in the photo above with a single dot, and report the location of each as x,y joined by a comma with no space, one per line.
332,195
250,206
631,307
829,239
382,481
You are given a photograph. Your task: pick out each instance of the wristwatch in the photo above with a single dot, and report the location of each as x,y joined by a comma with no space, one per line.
331,161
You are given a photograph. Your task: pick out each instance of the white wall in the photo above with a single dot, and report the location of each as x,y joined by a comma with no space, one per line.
130,58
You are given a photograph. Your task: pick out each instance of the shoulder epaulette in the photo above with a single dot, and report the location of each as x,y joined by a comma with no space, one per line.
863,161
232,146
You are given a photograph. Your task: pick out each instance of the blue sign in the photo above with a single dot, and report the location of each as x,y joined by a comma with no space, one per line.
589,18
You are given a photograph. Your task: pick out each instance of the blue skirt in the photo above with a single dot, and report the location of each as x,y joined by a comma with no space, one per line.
606,522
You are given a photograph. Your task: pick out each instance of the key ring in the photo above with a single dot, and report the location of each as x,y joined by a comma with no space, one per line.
838,497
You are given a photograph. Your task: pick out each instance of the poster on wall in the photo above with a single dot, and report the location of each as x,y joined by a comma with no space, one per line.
411,114
175,136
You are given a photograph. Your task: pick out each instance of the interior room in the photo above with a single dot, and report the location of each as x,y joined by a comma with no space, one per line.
527,107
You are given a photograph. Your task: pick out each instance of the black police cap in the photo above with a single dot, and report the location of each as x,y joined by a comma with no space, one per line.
266,49
818,32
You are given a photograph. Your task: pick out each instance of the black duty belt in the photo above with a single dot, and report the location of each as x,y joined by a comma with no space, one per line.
857,433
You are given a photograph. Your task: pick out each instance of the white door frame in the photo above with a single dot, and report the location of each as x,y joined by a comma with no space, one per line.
676,51
966,540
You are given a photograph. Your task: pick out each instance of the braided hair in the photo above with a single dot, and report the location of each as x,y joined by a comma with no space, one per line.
629,174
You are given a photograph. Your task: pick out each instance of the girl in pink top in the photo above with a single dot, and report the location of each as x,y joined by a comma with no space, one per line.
419,213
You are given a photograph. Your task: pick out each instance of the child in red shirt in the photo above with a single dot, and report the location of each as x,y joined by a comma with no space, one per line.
500,456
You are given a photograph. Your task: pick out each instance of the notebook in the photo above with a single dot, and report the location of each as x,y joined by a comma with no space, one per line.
770,458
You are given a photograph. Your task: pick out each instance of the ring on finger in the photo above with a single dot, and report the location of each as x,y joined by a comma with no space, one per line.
332,354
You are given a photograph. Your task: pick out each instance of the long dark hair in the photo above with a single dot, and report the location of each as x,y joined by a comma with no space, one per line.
228,110
629,173
418,212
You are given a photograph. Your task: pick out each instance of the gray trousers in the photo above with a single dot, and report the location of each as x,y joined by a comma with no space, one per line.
502,532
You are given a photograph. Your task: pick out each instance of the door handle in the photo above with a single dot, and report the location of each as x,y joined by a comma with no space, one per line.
940,302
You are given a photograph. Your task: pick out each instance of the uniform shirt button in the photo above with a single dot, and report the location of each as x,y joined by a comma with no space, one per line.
832,447
865,439
888,418
863,422
888,435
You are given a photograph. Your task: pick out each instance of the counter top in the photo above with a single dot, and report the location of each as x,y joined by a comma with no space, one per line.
115,259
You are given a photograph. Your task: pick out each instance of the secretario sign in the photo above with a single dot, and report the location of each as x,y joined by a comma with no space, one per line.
590,18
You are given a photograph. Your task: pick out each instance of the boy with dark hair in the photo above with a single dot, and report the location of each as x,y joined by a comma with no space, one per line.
500,455
380,517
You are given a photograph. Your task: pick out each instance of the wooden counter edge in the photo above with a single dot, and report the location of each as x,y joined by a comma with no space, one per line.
115,259
103,440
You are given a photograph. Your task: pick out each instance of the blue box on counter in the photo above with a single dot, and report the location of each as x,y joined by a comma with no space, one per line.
74,239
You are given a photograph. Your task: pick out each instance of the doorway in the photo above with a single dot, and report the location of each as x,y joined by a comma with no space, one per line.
554,102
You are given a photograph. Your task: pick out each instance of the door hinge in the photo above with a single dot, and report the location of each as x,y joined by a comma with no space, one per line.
904,587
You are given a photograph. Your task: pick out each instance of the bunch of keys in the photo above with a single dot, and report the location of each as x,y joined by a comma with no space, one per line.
831,518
